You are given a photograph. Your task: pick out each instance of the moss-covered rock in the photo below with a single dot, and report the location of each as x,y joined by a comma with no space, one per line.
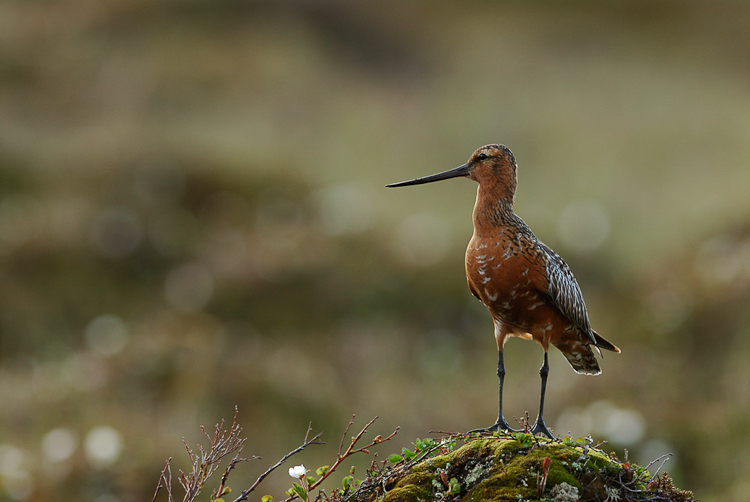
514,467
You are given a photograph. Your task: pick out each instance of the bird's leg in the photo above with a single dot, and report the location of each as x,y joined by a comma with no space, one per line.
501,424
540,426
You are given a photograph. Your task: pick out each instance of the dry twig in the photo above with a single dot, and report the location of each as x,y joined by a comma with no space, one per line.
305,444
349,451
225,442
165,481
205,463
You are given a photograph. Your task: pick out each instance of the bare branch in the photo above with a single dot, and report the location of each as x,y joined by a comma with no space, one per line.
222,442
166,479
349,451
343,436
663,458
315,440
204,463
219,492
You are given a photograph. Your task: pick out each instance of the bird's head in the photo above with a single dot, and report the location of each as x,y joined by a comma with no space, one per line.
492,166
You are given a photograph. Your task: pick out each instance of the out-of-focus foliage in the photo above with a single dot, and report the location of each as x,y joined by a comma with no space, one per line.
192,217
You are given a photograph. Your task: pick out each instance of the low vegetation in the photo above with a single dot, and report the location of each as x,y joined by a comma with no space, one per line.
471,467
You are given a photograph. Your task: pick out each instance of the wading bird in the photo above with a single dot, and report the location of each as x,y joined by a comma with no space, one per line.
527,288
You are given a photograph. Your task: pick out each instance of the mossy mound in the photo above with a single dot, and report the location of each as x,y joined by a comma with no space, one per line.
514,467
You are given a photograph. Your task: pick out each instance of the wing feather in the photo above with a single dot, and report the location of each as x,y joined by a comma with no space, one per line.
565,291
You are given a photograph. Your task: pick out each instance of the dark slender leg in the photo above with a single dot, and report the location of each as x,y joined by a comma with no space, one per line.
501,423
540,426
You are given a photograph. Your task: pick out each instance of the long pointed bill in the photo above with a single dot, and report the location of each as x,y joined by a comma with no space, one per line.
451,173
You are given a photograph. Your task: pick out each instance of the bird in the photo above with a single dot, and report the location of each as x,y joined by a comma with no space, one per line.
528,289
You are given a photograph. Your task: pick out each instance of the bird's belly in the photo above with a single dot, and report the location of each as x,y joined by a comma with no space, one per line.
519,307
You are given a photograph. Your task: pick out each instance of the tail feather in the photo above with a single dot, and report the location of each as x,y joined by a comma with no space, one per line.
604,344
583,360
582,356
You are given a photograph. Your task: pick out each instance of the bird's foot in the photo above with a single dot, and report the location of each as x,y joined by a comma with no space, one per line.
541,428
500,425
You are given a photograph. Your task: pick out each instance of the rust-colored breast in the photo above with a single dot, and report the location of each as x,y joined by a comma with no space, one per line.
507,271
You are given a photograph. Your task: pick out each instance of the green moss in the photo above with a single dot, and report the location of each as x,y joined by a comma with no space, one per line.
500,487
409,493
506,468
421,479
559,474
438,462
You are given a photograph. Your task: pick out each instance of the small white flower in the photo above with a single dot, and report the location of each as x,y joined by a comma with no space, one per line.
298,471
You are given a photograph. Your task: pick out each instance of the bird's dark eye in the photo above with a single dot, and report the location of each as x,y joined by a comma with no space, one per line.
482,156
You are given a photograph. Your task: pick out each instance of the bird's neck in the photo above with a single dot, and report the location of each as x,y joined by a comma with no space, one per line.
493,208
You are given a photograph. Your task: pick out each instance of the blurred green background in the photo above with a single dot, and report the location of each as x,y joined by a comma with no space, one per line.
193,217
